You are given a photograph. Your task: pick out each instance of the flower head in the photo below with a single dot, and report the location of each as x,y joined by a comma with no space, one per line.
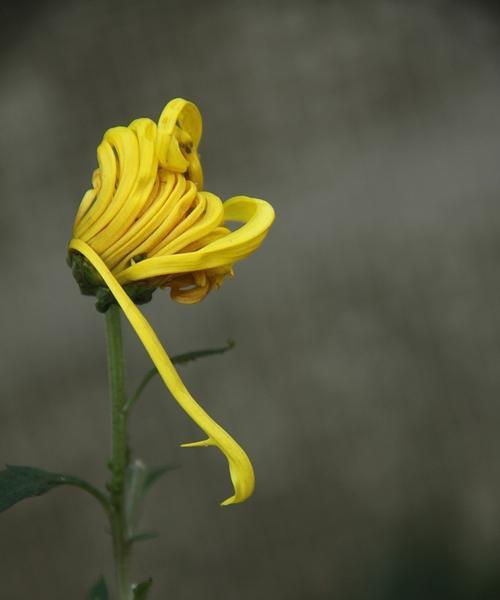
147,223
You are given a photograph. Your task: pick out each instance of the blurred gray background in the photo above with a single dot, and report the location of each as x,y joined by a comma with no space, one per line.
365,383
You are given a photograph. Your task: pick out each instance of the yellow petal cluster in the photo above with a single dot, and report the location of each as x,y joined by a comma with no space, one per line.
148,220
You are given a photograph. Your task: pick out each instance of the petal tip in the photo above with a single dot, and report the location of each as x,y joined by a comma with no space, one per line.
229,501
200,444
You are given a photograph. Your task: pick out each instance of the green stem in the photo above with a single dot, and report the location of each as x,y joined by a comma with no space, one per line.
119,450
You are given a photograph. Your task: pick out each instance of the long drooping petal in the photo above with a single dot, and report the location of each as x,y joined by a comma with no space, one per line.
240,467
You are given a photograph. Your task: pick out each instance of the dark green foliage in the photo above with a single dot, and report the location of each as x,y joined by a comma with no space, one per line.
99,591
19,482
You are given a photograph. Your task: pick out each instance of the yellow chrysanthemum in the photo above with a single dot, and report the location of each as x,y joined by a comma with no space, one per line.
147,224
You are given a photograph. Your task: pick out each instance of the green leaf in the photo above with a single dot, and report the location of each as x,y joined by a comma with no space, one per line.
139,480
141,590
181,359
134,495
99,591
19,482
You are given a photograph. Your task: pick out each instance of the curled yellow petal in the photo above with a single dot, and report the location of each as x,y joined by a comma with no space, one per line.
257,216
179,133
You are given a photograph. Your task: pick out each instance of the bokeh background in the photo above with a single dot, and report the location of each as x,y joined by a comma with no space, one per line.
365,383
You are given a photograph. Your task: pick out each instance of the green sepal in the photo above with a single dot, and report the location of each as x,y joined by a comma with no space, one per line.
20,482
141,590
99,591
139,293
84,273
92,284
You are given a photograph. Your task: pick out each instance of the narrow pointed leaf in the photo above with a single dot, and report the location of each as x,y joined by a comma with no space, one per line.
143,537
134,494
99,591
179,359
139,480
141,590
154,474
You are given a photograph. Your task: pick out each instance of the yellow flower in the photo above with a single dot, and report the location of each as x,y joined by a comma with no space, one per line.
147,224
